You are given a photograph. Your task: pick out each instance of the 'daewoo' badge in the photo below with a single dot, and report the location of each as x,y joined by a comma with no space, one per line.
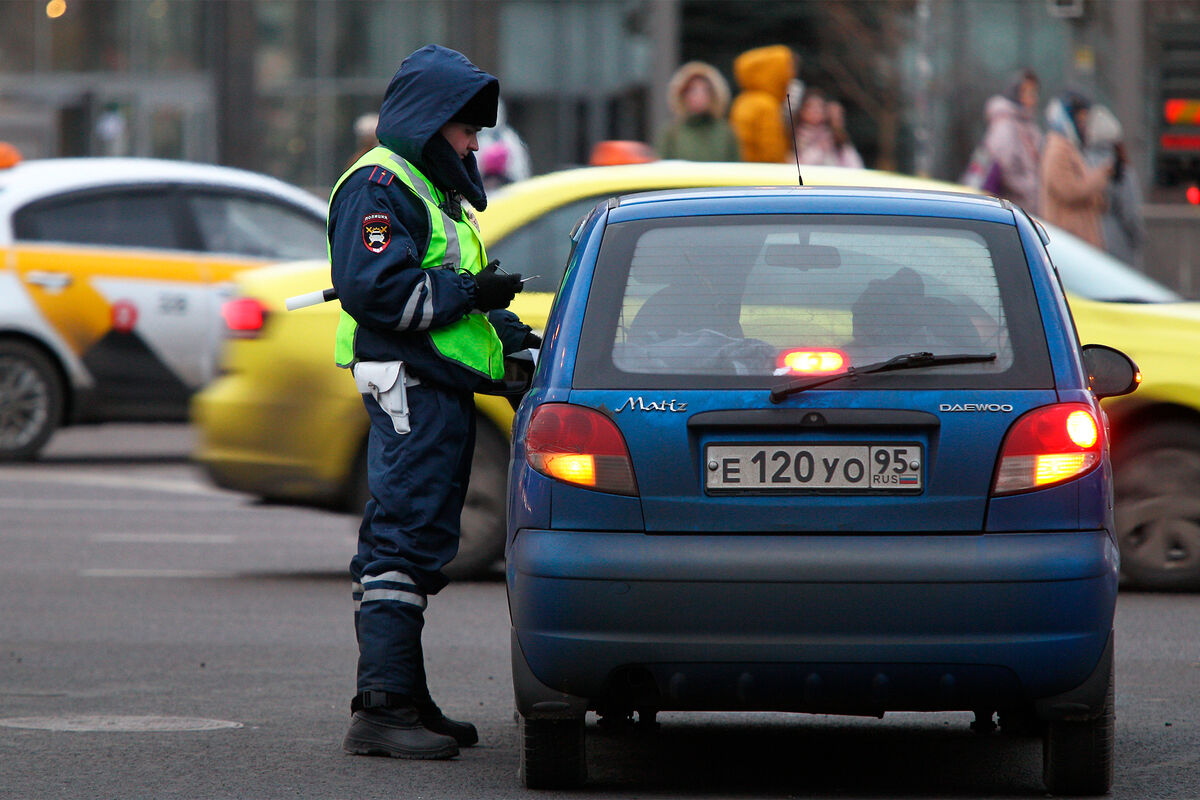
377,232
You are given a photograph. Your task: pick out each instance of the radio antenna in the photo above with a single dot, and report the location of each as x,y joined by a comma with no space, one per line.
792,130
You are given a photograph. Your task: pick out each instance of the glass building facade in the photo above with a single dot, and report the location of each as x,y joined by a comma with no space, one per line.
275,85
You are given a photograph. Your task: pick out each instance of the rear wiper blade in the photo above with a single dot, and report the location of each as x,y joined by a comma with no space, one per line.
905,361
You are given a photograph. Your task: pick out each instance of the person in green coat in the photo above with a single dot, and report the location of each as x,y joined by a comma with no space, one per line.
699,97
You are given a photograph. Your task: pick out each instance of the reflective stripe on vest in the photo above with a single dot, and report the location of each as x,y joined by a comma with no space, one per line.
471,342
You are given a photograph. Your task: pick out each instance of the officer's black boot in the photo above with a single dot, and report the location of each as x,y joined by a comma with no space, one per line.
396,731
434,720
432,717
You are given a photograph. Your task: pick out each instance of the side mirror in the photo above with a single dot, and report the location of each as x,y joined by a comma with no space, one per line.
1111,373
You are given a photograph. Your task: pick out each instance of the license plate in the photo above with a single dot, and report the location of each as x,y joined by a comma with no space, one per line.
866,468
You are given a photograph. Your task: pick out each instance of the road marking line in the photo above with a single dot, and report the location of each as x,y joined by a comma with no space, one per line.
77,478
163,538
13,504
155,573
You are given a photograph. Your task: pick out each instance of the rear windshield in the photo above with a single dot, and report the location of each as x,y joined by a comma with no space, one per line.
734,300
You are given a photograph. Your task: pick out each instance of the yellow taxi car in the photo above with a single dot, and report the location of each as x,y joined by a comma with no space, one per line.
284,423
111,278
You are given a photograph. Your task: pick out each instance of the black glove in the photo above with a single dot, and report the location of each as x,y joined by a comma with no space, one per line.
532,341
494,289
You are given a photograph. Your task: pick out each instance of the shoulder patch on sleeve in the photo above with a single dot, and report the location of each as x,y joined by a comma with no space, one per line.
377,232
381,176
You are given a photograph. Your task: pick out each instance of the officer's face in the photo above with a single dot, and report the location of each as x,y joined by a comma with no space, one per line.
462,137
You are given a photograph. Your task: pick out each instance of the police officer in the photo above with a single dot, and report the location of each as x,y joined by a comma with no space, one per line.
415,286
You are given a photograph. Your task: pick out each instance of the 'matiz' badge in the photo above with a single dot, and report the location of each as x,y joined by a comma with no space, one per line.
377,232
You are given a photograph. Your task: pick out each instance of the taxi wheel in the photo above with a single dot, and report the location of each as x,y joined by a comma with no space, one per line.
483,518
1158,515
31,400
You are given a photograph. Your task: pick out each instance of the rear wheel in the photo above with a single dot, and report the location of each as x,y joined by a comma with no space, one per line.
31,400
483,518
553,753
1078,755
1157,510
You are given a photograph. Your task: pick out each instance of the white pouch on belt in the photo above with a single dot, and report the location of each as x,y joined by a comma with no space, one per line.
387,382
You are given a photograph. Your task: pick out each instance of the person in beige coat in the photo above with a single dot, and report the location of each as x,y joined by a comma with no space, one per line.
1072,193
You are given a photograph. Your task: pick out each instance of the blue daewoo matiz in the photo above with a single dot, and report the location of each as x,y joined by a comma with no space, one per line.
817,450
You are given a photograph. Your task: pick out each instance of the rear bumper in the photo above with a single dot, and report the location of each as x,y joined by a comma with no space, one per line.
860,624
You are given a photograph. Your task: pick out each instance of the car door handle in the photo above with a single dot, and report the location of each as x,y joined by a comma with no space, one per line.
49,280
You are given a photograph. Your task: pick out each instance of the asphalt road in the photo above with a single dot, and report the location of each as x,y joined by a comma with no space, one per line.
160,639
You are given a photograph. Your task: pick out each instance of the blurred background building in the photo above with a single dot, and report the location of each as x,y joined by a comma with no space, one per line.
275,85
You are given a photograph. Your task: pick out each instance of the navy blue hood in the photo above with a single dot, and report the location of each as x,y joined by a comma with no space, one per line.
430,88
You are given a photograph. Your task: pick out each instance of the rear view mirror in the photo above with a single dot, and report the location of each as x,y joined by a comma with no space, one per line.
803,256
1111,373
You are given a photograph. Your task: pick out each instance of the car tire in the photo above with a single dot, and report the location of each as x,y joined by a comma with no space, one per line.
1157,511
31,400
481,542
553,753
1078,755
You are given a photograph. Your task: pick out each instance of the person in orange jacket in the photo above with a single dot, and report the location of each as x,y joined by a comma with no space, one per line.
758,117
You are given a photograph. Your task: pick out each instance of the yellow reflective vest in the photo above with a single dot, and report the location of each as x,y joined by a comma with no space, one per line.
471,342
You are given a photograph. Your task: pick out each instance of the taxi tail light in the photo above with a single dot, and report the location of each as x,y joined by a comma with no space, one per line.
579,446
1048,446
244,317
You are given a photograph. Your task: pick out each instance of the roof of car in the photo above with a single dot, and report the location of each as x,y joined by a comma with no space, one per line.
37,178
809,199
755,192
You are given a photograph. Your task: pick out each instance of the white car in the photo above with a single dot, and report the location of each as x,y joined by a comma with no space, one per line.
112,272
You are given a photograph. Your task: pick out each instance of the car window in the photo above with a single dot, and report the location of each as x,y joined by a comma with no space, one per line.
740,297
121,218
258,227
1096,275
541,247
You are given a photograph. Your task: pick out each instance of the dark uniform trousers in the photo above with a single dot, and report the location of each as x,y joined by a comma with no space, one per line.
410,530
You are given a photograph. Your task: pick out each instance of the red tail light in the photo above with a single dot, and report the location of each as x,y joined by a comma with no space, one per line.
812,362
244,317
580,446
1048,446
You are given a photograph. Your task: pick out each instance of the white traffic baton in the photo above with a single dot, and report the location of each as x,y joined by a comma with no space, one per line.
310,299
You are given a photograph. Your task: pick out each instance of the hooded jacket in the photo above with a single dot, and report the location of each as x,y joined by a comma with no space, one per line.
375,285
704,136
1014,141
757,114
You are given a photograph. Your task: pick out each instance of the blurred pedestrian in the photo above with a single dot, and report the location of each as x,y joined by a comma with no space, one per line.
408,266
364,135
503,155
1013,141
758,116
820,129
699,97
1122,224
1072,192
